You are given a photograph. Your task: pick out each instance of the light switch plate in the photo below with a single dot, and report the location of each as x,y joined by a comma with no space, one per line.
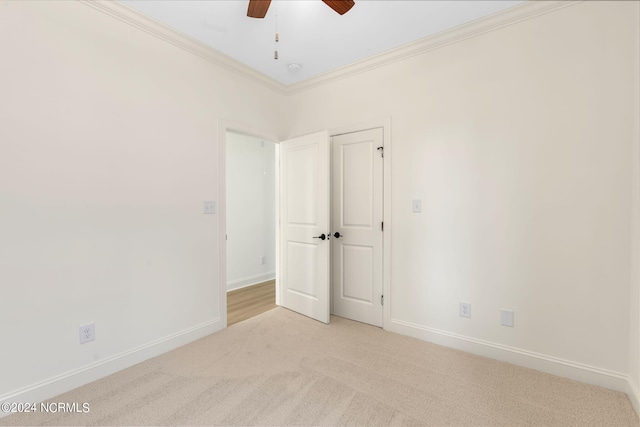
209,207
417,205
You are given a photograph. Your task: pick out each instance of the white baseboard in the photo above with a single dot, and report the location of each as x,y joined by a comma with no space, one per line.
73,379
541,362
232,285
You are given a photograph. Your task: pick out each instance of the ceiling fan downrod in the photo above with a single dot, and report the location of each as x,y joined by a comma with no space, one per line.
275,53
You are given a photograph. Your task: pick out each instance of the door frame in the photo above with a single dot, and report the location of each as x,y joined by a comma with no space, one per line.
385,124
227,125
224,126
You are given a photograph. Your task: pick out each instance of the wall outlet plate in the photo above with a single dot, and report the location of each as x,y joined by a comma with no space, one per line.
417,205
506,317
465,309
87,333
209,207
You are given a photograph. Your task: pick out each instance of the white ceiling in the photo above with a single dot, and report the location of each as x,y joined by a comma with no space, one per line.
311,34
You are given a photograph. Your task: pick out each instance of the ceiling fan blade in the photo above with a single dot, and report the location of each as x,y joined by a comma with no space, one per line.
340,6
258,8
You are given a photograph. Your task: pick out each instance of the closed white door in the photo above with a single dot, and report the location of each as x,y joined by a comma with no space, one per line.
357,209
304,225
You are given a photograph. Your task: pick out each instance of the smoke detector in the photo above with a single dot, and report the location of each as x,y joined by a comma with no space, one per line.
294,67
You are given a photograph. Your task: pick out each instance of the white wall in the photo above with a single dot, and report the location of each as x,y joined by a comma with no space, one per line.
251,210
108,147
519,142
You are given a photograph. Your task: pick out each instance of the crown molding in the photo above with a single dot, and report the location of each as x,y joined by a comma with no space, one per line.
513,15
522,12
134,18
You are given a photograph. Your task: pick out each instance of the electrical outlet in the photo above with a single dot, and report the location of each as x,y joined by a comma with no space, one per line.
209,207
465,309
416,205
506,317
87,333
262,260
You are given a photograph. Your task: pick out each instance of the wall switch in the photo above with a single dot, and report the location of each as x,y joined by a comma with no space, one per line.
465,309
417,205
506,317
262,260
87,333
209,207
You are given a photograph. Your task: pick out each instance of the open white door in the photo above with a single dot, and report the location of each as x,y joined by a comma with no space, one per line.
304,225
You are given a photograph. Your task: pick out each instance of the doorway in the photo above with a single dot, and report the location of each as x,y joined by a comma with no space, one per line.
331,225
251,225
244,129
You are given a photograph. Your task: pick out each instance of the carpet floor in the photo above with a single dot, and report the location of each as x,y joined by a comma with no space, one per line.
280,368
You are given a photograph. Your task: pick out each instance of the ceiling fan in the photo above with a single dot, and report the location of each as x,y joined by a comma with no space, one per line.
258,8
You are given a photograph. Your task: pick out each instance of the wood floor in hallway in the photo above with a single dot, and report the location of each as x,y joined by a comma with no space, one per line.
245,303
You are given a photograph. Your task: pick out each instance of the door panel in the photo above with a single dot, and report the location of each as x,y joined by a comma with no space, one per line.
302,204
302,281
357,273
305,214
357,188
357,206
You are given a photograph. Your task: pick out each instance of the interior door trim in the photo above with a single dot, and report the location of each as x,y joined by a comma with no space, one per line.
224,126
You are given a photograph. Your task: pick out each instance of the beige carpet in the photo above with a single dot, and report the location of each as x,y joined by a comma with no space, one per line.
280,368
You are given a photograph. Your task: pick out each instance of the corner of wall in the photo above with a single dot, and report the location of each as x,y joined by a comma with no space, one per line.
633,391
634,328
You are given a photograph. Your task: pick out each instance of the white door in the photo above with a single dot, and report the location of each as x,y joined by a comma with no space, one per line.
304,225
357,208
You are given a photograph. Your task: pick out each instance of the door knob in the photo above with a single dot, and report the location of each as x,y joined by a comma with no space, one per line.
321,237
337,235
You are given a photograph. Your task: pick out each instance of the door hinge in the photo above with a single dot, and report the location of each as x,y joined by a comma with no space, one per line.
381,299
381,150
382,226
